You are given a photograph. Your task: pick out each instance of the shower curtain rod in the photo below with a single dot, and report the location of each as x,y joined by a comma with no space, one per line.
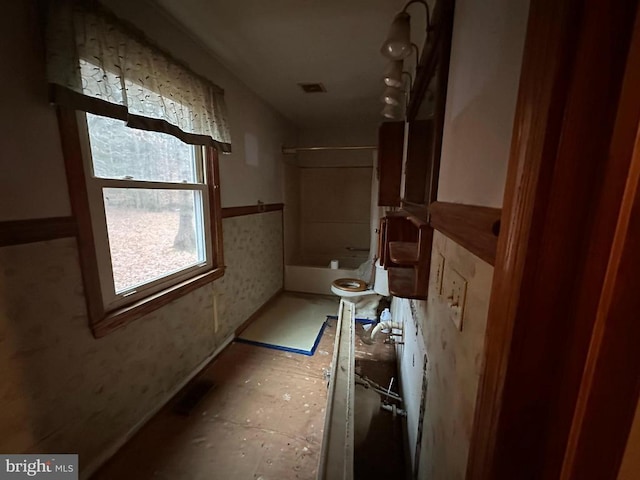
294,150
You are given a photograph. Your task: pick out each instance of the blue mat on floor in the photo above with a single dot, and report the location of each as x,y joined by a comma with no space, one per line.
364,321
283,348
292,323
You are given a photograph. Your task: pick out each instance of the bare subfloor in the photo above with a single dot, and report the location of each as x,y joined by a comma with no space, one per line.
264,419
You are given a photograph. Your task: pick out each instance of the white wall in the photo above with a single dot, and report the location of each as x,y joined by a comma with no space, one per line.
32,176
487,44
486,57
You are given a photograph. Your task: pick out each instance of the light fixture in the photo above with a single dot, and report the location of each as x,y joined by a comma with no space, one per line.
398,43
392,112
393,74
393,96
397,46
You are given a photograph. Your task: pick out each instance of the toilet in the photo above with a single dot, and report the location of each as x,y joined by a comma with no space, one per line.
357,291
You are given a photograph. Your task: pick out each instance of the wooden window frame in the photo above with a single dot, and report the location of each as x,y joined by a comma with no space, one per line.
102,320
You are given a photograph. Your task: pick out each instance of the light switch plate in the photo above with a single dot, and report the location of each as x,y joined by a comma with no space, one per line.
439,273
455,290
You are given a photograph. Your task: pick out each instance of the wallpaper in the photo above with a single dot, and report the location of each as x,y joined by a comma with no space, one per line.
64,391
454,363
253,254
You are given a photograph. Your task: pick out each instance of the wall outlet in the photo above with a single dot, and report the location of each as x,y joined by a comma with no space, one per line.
455,290
439,274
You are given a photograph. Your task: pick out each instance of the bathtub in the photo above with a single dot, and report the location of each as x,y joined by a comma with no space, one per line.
309,279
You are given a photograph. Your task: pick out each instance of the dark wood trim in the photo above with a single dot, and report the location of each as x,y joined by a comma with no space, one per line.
213,184
418,211
437,49
611,382
17,232
258,312
229,212
419,160
546,61
421,181
445,25
474,227
610,386
390,147
76,182
403,283
122,316
539,324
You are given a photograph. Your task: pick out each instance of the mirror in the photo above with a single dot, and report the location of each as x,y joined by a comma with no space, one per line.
425,113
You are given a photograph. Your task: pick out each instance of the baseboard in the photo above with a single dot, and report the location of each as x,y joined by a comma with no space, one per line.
117,445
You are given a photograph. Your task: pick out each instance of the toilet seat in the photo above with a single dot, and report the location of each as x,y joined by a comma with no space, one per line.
350,284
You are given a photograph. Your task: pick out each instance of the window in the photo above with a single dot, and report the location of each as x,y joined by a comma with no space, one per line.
147,206
148,218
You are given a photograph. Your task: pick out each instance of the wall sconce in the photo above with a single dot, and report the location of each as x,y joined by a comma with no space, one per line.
397,46
396,98
393,96
393,74
393,112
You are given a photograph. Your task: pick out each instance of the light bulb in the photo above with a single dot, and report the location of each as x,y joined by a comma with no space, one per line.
393,96
393,74
392,112
398,43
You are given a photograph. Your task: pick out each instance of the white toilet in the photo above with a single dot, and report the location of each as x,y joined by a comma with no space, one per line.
356,291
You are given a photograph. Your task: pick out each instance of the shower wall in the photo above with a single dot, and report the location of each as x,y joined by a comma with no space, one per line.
328,198
335,215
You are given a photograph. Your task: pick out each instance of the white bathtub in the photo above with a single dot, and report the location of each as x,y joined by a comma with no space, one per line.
301,278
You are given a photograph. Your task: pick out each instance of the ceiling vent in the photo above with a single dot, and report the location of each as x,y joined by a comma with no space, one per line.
312,87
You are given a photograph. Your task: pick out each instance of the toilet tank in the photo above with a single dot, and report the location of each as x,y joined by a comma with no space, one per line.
381,281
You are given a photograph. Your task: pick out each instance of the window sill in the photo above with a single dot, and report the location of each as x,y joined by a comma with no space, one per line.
124,315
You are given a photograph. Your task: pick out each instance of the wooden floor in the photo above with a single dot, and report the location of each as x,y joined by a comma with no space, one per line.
263,419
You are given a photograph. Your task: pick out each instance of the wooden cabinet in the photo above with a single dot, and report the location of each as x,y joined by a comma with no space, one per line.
406,241
406,254
390,146
394,227
406,235
420,161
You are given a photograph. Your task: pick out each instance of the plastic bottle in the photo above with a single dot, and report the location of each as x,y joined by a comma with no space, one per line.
385,316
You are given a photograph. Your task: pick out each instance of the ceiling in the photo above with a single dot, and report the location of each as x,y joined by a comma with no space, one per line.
274,45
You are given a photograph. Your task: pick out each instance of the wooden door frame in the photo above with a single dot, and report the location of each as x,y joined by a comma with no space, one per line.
569,161
610,387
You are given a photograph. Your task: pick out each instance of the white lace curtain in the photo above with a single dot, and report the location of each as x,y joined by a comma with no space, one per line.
100,64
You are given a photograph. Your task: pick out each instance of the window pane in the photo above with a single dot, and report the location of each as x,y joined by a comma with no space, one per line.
152,233
119,151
